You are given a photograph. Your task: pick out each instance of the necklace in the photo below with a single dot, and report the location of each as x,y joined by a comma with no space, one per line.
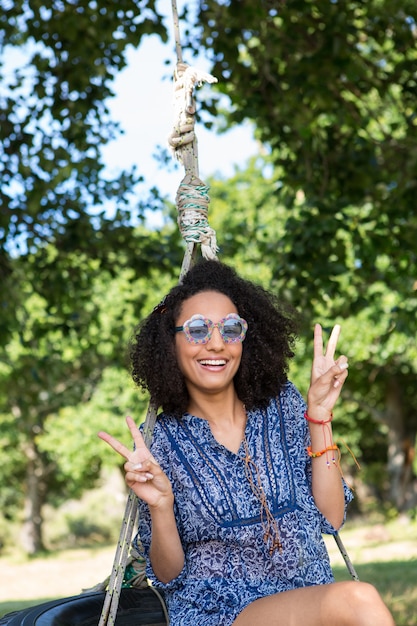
269,523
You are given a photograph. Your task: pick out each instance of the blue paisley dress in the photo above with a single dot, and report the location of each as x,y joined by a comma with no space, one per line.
228,563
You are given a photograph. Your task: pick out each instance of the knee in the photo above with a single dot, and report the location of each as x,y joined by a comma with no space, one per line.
366,605
364,594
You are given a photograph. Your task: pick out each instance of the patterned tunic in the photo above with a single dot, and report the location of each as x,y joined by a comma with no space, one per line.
228,564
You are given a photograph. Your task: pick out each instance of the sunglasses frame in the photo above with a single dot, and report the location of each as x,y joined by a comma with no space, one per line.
211,326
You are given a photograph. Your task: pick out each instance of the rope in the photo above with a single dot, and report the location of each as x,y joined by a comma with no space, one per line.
192,205
192,196
111,601
192,201
177,37
346,558
124,546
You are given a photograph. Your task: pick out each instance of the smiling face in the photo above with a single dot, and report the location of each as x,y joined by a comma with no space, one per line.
207,368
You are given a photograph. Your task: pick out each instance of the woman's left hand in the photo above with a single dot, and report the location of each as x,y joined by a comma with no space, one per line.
327,374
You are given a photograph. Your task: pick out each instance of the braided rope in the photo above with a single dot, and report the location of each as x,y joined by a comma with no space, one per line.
193,201
176,25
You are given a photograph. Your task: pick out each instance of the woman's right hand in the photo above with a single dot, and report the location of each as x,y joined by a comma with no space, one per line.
142,472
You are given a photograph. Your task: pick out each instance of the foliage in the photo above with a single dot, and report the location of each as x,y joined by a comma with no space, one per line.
72,242
64,371
331,88
54,115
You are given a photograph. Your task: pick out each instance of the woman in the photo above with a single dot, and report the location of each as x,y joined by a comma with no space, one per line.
241,478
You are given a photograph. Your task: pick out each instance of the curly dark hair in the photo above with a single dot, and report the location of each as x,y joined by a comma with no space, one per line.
267,348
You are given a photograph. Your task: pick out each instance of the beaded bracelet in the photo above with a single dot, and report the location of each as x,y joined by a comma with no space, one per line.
315,455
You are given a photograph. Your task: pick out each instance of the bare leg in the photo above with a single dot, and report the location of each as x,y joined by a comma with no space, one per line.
345,604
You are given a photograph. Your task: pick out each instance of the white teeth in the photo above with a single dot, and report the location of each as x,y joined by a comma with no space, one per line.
212,362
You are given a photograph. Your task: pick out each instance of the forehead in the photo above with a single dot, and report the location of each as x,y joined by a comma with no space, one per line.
211,304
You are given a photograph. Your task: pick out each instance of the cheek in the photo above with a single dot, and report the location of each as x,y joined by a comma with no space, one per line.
184,351
239,353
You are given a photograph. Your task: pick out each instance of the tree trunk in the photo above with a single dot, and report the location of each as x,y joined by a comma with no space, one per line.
402,482
32,537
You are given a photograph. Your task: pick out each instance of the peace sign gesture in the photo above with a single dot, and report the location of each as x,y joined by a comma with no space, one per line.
327,374
142,472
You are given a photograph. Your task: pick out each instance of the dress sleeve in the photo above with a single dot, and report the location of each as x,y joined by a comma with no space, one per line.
142,541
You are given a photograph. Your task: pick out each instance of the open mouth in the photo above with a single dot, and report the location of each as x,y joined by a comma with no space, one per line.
213,362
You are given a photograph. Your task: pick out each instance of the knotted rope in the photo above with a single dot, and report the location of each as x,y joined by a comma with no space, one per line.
192,197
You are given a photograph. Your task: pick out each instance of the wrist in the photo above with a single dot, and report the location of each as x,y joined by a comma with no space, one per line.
318,415
164,506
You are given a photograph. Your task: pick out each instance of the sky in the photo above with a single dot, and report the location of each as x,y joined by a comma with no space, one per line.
143,106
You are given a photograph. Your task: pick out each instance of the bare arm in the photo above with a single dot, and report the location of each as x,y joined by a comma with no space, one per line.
327,379
147,480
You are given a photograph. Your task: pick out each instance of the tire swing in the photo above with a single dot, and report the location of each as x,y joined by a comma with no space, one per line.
125,598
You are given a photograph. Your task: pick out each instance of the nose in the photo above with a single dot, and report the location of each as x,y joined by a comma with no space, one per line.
216,340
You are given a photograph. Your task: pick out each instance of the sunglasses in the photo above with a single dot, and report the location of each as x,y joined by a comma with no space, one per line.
199,329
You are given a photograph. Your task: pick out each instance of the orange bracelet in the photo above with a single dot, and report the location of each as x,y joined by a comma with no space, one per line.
315,455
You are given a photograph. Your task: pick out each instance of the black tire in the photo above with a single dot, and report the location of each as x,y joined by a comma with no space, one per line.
137,607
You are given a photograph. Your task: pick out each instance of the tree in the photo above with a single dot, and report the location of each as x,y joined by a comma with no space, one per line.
57,63
330,87
67,351
377,416
54,115
66,229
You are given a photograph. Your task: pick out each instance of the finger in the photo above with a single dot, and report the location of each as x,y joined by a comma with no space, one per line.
139,472
335,372
341,374
318,341
140,441
136,434
342,362
332,343
115,444
135,477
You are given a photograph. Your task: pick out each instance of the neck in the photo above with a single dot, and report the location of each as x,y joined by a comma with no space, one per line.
219,411
227,420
